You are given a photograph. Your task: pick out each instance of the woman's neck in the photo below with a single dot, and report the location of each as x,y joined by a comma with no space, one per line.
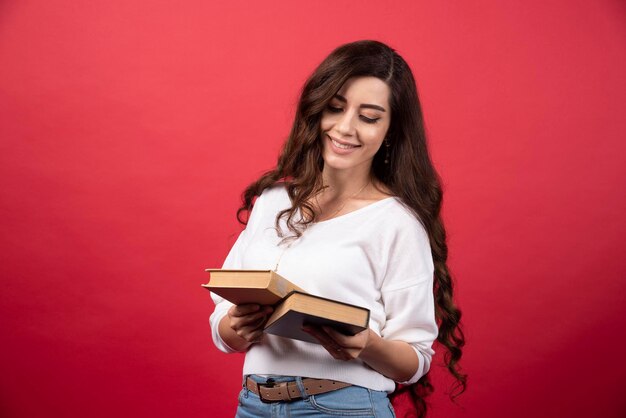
345,182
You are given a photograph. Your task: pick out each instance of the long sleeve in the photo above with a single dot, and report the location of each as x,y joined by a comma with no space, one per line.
234,260
411,318
408,296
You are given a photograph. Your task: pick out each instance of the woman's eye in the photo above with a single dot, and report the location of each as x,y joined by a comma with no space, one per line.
369,120
334,109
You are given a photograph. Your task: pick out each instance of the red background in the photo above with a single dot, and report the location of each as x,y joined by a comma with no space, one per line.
129,128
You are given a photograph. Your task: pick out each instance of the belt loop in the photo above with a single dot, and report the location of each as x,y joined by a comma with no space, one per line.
244,384
305,395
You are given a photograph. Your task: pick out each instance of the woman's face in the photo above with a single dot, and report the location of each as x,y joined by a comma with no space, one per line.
354,123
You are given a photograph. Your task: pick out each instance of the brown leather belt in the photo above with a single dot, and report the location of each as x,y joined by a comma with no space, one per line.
289,391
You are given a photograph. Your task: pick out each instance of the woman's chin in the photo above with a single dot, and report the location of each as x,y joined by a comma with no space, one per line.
337,164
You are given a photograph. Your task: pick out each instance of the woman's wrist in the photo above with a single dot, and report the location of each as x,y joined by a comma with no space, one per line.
394,359
372,346
230,337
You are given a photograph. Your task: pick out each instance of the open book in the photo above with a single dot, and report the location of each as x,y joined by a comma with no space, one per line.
293,307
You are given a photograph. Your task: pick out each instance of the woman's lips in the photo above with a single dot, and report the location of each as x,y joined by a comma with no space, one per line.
340,148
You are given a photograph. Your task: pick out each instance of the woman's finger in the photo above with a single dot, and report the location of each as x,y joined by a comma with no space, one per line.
353,341
350,347
318,333
243,310
333,348
250,334
257,322
256,318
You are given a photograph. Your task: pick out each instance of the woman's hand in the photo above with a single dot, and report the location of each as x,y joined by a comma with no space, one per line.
248,320
340,346
395,359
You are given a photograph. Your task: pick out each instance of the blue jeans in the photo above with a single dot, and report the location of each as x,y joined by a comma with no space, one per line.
351,401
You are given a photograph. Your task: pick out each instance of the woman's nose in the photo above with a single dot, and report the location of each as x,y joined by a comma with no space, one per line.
345,124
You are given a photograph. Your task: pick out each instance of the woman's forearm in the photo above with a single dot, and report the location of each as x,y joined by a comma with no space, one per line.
242,325
395,359
230,337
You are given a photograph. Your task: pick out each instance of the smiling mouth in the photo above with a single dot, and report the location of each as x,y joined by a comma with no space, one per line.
342,146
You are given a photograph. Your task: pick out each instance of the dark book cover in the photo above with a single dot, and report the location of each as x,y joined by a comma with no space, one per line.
299,309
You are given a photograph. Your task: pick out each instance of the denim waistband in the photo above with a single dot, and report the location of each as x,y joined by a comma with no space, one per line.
275,378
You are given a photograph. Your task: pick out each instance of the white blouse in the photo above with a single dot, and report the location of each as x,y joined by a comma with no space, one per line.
378,257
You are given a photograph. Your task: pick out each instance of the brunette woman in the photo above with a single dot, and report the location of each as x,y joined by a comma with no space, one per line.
350,212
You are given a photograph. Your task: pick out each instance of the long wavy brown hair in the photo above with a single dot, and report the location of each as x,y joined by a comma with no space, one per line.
409,174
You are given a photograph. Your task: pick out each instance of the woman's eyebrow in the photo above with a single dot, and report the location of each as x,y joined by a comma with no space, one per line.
365,105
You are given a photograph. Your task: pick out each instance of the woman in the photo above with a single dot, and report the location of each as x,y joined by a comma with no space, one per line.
351,212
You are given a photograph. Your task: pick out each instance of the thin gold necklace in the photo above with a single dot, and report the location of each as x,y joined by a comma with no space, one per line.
332,216
345,200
